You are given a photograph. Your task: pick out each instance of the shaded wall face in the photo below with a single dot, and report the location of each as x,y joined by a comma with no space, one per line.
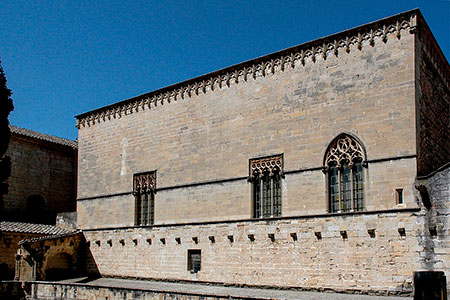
434,236
42,181
433,96
9,244
298,112
52,258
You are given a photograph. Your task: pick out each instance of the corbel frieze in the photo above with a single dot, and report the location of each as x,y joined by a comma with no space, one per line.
271,64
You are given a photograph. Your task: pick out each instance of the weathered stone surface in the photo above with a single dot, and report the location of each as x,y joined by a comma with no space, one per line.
212,136
43,166
136,289
360,262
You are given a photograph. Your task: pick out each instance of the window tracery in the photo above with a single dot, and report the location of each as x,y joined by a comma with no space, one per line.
266,174
344,164
144,186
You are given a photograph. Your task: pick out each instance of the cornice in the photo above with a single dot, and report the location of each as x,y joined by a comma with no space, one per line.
357,38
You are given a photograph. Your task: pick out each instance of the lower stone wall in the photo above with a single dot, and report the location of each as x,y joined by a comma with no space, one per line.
364,252
54,291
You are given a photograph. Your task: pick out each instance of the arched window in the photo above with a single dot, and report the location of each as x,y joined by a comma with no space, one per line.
344,164
144,192
266,174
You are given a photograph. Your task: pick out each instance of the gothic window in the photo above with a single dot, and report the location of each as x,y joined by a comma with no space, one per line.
266,174
344,164
144,192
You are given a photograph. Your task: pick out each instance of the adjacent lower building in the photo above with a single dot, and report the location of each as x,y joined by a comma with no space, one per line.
42,184
43,177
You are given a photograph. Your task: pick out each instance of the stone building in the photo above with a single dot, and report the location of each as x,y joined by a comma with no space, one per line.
43,177
323,166
12,233
42,184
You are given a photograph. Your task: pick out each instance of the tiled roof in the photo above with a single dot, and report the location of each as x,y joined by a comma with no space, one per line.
32,228
42,136
48,237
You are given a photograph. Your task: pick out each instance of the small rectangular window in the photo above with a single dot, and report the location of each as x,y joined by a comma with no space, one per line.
399,196
194,260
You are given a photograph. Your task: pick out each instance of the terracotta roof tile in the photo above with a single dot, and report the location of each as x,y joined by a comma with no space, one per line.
42,136
32,228
48,237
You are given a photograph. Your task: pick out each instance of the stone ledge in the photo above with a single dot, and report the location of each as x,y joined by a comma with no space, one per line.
115,288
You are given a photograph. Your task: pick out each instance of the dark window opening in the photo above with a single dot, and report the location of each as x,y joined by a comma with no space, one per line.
194,260
399,196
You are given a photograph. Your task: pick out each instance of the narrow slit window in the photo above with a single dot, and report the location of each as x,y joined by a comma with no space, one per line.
399,196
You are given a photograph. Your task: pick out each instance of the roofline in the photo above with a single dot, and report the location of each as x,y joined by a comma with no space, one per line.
35,135
310,49
49,237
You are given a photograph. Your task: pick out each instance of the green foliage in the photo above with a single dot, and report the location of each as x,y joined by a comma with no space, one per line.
6,106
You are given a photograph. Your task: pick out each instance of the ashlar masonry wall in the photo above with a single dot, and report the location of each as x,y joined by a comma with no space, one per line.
40,168
360,252
434,237
297,112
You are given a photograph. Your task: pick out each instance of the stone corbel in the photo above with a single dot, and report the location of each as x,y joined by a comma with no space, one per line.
424,194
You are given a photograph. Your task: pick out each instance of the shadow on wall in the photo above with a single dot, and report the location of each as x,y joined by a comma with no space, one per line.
55,258
5,272
38,212
59,266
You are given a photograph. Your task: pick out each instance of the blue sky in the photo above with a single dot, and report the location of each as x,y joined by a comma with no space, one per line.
63,58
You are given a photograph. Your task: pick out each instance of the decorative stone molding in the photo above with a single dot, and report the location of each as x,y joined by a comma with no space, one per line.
271,165
144,183
322,48
344,149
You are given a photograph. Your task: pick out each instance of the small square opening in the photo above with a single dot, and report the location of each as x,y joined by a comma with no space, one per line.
194,260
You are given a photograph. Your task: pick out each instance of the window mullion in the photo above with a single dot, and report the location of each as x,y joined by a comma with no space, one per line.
261,197
352,194
339,189
271,196
149,203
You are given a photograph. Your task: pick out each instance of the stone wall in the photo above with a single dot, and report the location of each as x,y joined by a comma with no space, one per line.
434,236
52,258
433,98
360,251
44,169
9,244
44,290
369,93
